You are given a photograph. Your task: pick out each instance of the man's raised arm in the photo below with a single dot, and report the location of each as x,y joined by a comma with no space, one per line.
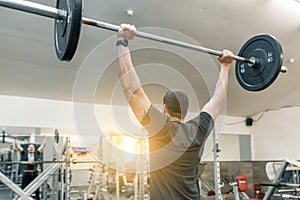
215,104
135,95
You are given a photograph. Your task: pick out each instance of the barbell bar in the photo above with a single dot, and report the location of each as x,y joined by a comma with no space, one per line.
60,14
74,161
35,8
255,62
161,39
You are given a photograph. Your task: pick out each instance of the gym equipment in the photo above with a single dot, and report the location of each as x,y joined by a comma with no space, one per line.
3,135
239,186
259,61
217,171
260,75
279,184
56,136
74,161
60,188
286,183
287,196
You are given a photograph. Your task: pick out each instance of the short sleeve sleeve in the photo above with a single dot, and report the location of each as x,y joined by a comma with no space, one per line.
204,124
154,121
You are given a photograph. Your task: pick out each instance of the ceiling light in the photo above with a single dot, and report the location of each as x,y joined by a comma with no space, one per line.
129,12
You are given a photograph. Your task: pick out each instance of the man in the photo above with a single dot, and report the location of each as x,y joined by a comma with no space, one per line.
30,171
175,146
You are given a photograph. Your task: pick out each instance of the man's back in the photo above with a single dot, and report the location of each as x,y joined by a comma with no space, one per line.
175,153
178,180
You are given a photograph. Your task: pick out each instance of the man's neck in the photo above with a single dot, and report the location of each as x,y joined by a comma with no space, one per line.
176,119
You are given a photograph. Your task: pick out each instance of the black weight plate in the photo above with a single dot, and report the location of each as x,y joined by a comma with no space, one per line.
56,136
269,53
67,31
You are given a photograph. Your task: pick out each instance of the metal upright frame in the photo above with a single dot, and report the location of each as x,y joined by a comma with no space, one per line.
217,173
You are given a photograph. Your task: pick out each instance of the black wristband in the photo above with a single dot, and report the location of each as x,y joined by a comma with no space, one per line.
123,42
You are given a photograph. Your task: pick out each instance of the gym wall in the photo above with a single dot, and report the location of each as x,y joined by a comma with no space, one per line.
273,137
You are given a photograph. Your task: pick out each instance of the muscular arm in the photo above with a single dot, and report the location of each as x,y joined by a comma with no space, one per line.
17,145
134,93
41,148
215,104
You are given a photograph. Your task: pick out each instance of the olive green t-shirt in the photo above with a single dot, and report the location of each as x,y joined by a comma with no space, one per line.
175,152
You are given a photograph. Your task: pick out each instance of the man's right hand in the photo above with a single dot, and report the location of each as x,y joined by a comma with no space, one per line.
226,58
127,31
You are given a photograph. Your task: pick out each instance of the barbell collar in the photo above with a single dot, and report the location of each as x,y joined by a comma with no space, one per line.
283,69
253,62
34,8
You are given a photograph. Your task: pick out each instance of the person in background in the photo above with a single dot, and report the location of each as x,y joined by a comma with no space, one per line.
30,170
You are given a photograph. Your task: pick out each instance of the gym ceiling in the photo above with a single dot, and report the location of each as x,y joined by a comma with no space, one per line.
29,66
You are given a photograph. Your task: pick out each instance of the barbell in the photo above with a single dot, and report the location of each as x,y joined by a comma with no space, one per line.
259,61
74,161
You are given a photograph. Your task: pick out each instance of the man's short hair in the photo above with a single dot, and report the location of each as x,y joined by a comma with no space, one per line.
177,103
31,144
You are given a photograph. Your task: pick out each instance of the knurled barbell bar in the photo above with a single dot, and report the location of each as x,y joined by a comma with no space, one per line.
74,161
259,62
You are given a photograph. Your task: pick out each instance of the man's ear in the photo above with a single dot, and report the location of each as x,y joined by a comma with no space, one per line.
165,109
